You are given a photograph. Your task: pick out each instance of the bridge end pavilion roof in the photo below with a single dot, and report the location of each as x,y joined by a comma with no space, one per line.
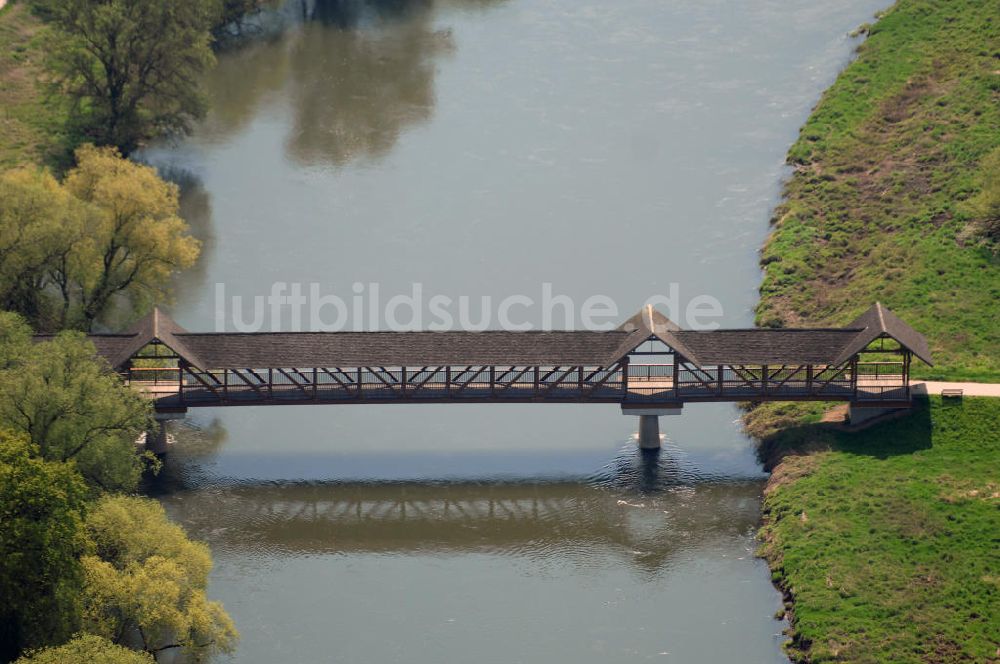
878,321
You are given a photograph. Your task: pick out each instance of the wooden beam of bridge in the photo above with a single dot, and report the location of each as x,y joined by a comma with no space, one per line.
646,362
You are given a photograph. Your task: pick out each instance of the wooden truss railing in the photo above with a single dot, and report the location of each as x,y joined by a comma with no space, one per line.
196,387
186,386
853,381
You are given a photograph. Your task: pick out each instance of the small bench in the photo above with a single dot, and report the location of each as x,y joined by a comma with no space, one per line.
952,392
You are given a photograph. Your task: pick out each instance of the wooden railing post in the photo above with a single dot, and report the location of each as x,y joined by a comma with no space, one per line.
763,379
181,365
854,377
906,373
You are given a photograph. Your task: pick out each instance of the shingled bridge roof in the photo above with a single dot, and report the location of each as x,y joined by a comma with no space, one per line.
235,350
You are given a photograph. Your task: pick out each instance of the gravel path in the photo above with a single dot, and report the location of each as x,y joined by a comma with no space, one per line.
968,389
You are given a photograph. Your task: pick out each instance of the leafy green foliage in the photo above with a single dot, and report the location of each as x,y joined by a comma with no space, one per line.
148,578
70,405
39,224
87,649
131,66
110,232
886,167
888,542
135,240
41,539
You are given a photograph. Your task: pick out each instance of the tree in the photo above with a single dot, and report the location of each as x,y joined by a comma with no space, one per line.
135,240
71,406
147,581
70,252
15,340
87,649
132,67
42,510
39,224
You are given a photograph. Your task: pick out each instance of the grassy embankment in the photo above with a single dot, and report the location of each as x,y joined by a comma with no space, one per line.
878,206
887,540
31,126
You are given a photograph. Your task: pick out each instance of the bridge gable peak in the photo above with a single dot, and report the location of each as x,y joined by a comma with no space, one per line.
879,321
646,324
156,327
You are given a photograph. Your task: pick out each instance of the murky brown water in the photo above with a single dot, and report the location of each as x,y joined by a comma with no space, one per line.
484,148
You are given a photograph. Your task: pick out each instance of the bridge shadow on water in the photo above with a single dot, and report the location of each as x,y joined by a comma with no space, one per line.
646,509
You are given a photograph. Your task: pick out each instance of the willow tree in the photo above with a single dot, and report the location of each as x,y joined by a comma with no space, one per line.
70,251
131,67
87,649
147,581
132,243
70,405
40,222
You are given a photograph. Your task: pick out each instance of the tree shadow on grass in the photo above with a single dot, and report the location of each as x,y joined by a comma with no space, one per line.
892,437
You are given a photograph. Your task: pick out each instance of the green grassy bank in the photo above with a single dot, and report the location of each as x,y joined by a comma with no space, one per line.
888,540
881,203
31,127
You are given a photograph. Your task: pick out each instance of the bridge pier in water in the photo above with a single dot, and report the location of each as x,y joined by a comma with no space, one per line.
649,424
156,436
649,432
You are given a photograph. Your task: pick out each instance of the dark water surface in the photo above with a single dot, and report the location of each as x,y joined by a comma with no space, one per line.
485,148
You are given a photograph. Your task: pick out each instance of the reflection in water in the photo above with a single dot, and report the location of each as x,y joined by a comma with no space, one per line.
356,93
196,210
354,75
640,558
644,506
574,521
346,14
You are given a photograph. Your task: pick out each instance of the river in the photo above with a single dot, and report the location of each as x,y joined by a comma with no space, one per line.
491,148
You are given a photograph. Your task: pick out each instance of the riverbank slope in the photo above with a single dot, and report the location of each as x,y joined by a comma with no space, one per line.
31,130
882,201
885,540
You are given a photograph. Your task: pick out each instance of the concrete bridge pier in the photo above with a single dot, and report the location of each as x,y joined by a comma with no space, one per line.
649,432
649,424
156,436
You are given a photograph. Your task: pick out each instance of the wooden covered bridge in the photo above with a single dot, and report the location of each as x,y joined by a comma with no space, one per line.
648,365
